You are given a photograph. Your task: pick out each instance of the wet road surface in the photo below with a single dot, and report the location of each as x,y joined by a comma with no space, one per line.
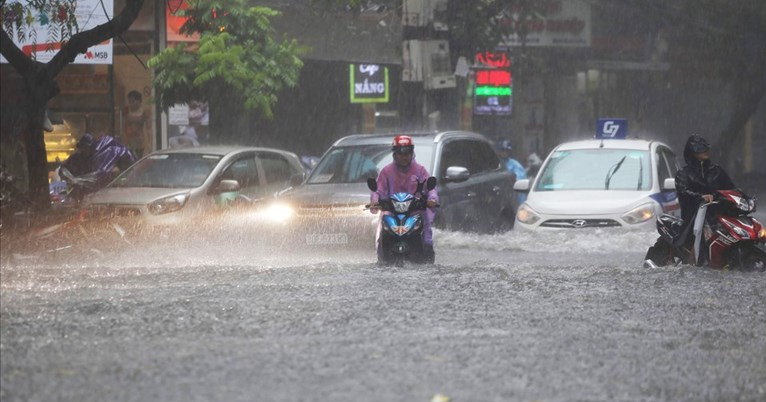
513,317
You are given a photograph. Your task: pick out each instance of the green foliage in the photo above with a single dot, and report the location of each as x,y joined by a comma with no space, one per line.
236,61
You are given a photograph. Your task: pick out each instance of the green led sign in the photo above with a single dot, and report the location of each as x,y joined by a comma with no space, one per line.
493,91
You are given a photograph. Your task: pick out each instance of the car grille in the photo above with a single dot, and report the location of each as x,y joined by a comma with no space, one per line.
580,223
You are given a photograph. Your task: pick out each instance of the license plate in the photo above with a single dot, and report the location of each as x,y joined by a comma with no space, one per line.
326,238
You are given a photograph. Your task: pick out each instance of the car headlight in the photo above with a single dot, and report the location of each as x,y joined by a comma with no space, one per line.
168,204
527,215
639,214
278,212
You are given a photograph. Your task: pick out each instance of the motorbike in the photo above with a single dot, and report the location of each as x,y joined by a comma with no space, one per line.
11,199
94,170
728,239
401,229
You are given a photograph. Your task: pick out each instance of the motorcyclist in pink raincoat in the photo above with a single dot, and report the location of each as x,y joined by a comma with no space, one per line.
403,175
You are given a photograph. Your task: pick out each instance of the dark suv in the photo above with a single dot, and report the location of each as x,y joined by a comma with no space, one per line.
475,190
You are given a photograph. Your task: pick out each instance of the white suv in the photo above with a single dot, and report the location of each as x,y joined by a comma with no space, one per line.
623,183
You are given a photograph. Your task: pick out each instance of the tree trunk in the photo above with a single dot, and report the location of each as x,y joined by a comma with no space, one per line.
41,87
751,90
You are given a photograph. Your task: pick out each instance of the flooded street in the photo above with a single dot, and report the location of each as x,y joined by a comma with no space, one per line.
512,317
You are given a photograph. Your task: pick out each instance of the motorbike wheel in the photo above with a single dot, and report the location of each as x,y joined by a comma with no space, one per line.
383,251
752,259
661,253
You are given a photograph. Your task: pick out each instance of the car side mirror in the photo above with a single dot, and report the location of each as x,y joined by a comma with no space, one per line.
227,186
297,179
457,174
372,184
521,185
669,185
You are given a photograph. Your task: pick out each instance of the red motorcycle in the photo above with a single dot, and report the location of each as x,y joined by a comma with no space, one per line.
726,238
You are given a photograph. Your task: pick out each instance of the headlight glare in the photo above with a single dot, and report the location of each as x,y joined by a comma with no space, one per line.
527,215
640,214
278,212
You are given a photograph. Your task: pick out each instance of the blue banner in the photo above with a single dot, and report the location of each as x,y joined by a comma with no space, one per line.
612,128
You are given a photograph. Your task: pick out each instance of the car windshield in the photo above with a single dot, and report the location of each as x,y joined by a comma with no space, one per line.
354,164
351,164
596,169
175,170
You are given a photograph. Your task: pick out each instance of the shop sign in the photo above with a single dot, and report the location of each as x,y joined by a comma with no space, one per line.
563,23
89,14
494,85
174,22
84,84
368,83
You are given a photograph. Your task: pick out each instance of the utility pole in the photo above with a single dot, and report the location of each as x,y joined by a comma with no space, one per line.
428,81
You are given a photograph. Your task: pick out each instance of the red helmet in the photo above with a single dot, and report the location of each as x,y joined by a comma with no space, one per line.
402,144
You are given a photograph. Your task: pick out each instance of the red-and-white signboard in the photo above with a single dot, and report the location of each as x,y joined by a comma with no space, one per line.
89,14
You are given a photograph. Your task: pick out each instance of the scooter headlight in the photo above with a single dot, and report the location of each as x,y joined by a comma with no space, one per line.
742,233
168,204
527,215
401,206
744,204
640,214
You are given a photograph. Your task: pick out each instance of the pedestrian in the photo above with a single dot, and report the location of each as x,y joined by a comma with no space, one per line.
403,175
504,149
187,139
137,124
533,165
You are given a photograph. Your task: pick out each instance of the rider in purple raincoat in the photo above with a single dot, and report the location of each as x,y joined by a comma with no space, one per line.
95,163
403,175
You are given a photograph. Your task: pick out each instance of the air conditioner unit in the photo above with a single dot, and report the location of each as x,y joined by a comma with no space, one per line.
428,61
438,72
438,15
413,13
421,13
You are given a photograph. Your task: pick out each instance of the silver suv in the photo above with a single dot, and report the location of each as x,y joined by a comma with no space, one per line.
475,189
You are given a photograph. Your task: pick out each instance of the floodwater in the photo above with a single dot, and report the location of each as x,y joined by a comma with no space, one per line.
556,316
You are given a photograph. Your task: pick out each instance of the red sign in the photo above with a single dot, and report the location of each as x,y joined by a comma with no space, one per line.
493,77
491,59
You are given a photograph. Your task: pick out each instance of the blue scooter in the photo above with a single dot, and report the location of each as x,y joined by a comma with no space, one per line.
401,229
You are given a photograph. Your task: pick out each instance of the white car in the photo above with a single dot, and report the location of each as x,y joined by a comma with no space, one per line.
621,183
175,186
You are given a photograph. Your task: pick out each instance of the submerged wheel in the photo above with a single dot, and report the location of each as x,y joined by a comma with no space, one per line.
748,258
756,260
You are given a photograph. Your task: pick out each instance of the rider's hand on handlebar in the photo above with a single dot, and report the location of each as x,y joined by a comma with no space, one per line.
708,197
374,208
431,203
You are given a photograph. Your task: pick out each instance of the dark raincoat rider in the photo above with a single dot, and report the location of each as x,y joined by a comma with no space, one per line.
699,179
697,182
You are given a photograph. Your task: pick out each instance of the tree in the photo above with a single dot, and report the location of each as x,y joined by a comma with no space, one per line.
236,65
733,39
40,78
